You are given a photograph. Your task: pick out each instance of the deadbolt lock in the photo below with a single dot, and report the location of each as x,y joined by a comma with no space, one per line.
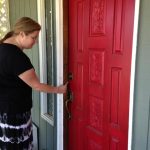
70,76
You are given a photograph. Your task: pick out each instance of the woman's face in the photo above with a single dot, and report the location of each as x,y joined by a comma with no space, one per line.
29,40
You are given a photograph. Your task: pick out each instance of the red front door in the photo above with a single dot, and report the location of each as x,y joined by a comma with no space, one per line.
100,48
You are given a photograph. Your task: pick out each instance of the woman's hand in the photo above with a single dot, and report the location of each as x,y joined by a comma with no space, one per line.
62,88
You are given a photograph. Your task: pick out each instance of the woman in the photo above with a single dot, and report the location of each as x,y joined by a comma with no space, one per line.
17,78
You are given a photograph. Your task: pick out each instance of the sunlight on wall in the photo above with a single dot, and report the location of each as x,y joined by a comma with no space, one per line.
4,17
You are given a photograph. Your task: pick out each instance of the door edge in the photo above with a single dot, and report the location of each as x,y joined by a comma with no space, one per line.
133,67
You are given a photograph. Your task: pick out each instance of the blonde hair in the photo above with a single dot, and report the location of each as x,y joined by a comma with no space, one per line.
24,24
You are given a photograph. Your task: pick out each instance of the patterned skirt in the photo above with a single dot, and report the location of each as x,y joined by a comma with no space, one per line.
16,131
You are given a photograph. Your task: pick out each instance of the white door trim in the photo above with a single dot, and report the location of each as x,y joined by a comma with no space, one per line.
59,58
132,79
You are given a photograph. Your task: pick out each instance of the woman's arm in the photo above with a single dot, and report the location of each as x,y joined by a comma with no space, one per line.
30,78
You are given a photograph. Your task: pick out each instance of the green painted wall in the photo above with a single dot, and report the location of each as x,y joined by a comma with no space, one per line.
20,8
141,126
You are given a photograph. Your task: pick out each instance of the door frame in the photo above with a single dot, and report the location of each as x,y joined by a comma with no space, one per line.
59,57
60,77
133,65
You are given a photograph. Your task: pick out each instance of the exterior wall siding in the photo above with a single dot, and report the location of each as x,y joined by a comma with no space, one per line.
20,8
141,126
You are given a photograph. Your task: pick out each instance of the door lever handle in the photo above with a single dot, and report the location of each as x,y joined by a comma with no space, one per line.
69,99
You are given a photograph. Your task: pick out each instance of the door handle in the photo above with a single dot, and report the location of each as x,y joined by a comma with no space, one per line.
69,99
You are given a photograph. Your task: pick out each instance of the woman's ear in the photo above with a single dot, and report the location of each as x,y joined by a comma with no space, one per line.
22,34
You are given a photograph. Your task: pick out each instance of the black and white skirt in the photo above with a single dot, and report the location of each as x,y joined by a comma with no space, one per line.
16,131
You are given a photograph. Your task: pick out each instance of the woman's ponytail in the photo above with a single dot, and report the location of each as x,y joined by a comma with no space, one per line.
8,35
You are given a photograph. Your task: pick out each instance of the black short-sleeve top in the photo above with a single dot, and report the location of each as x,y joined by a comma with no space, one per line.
15,94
